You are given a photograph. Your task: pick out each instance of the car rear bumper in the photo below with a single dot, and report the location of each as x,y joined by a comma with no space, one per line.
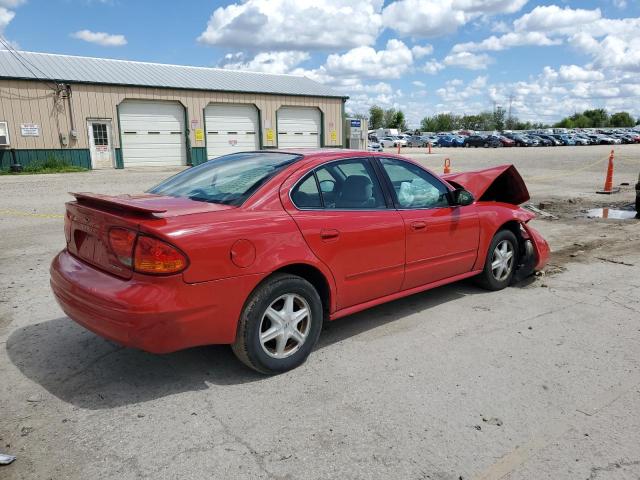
155,314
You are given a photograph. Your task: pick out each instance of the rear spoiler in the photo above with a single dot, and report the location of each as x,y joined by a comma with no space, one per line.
123,202
496,184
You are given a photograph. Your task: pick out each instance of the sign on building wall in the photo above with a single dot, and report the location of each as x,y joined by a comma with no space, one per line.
334,136
270,135
30,130
199,134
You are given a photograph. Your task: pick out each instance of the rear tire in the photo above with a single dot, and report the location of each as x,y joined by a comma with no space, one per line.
500,264
279,325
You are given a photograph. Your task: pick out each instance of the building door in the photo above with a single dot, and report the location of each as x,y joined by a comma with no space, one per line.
153,133
100,144
231,128
299,127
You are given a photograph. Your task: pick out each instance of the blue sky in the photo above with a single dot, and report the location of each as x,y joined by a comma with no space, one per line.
423,56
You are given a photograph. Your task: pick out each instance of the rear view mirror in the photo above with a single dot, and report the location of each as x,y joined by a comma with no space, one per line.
462,197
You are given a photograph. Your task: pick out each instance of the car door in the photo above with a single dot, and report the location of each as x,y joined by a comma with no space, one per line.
441,240
350,225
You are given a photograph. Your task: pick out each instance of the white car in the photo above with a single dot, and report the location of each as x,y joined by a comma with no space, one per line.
389,142
374,147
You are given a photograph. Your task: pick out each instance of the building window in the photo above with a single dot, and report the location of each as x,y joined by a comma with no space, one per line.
100,134
4,133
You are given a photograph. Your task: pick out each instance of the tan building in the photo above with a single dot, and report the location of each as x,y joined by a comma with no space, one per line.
102,113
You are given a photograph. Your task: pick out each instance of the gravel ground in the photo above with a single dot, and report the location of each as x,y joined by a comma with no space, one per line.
539,381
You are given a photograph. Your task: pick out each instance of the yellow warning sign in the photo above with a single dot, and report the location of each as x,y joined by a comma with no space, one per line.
334,136
199,134
269,134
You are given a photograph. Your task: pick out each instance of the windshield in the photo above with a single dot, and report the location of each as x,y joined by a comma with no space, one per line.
229,179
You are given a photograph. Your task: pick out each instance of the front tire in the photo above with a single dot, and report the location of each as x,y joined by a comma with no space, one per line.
279,325
500,264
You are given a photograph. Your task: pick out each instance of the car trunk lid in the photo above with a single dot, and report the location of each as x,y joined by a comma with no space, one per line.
90,218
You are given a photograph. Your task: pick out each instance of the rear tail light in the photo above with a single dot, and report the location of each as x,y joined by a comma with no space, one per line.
122,241
155,256
145,254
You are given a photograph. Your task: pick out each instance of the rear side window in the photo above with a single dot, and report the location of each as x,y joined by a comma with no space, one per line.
229,179
342,185
306,193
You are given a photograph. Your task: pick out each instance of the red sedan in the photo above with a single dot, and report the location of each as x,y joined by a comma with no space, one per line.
257,249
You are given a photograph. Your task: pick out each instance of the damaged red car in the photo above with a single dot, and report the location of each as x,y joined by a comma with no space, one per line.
258,249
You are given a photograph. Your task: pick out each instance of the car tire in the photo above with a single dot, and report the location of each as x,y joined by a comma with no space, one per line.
486,145
271,306
493,277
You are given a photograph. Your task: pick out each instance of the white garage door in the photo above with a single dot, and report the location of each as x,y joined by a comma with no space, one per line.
152,134
298,127
231,128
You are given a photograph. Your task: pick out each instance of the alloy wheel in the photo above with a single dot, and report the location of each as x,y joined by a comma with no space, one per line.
502,260
285,326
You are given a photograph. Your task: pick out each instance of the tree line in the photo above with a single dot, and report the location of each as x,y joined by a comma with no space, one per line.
495,120
597,118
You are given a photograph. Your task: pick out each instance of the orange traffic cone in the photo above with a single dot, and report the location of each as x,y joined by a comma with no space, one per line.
398,148
447,165
608,182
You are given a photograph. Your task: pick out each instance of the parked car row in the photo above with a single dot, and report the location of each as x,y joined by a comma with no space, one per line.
508,139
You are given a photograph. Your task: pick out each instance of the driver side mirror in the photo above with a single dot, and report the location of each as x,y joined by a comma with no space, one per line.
461,197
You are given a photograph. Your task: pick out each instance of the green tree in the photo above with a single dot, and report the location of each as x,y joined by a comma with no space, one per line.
400,122
376,117
598,117
389,118
499,115
621,119
428,124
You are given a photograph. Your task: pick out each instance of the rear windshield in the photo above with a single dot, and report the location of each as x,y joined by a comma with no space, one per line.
229,179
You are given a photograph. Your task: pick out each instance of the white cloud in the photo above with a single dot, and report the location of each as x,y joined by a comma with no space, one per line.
432,18
424,18
432,67
294,24
420,51
419,84
5,18
268,62
470,61
508,40
488,7
575,73
11,3
548,18
100,38
366,62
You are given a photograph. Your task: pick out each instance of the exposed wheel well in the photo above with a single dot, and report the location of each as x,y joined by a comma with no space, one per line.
514,226
316,278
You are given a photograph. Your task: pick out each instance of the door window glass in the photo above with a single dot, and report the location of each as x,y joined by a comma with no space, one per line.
100,134
415,188
350,184
306,194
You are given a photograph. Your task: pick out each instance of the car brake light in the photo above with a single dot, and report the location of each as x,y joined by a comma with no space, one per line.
121,241
155,256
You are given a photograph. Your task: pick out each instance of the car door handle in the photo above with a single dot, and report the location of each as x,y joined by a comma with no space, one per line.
418,225
329,234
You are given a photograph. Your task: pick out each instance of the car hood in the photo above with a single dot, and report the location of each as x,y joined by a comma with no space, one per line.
496,184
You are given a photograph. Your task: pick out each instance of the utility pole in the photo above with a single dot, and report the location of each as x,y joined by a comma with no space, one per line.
509,117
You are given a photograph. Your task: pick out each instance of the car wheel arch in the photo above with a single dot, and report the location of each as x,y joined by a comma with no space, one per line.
316,277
